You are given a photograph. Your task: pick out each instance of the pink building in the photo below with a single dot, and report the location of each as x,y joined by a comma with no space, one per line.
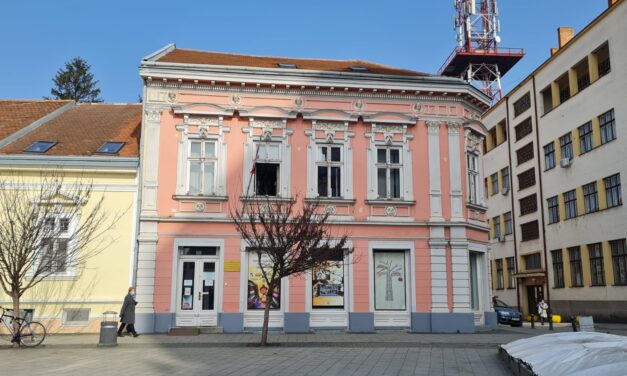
393,154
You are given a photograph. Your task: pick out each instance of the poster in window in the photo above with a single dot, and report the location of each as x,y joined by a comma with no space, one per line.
327,283
389,280
257,286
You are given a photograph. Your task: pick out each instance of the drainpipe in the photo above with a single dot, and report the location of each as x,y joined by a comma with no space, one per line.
139,192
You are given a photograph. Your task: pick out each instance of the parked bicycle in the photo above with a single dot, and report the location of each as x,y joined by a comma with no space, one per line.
29,333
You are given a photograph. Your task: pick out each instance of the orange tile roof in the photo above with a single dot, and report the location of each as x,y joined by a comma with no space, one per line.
16,114
179,55
81,130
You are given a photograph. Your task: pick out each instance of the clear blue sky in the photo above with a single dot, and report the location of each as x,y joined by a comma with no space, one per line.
39,36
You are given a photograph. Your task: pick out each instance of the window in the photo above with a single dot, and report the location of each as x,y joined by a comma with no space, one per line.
530,231
499,274
76,316
585,137
547,99
329,168
505,177
558,268
389,281
566,144
570,201
608,126
497,226
603,59
564,87
55,248
327,284
523,129
590,197
528,204
619,261
613,191
201,162
472,161
40,147
549,156
522,105
475,260
595,251
583,74
526,179
533,261
507,218
110,147
525,153
494,179
576,272
267,169
257,288
554,209
511,270
389,172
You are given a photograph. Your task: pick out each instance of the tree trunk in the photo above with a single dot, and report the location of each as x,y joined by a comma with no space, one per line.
16,312
266,315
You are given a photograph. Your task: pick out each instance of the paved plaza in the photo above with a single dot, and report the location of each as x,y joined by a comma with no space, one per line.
326,353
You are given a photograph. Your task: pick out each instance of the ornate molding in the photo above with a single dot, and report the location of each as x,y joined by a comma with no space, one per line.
473,142
453,127
203,120
433,127
268,123
389,128
329,125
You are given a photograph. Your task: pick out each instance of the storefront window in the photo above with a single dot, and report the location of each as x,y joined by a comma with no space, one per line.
257,286
389,280
327,283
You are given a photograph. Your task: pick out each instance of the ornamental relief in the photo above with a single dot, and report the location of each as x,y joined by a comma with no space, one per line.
330,125
453,127
389,128
202,120
269,123
433,126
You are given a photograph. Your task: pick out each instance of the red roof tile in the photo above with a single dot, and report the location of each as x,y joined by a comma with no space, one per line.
81,130
179,55
17,114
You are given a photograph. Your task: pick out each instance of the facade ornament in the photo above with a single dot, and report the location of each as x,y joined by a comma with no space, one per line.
389,140
417,107
268,123
266,135
203,131
202,120
433,126
390,128
329,137
298,102
330,209
200,207
330,125
153,115
236,99
359,105
453,127
171,97
390,211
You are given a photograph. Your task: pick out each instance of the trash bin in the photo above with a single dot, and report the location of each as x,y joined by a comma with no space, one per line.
108,329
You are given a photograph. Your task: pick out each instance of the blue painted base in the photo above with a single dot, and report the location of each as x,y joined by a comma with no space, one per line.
452,322
296,322
490,320
231,322
421,322
164,321
145,322
361,322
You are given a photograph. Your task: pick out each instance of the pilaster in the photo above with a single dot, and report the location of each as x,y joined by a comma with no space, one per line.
435,185
455,170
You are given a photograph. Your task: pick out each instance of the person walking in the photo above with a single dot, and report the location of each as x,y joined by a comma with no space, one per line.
127,314
542,310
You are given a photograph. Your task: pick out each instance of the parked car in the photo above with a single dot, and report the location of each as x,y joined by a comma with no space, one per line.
507,315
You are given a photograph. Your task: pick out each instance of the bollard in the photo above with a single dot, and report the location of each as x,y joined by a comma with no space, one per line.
533,326
573,323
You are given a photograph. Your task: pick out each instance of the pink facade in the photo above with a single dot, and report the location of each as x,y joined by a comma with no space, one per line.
389,164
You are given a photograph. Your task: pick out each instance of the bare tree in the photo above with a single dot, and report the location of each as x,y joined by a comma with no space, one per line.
289,238
47,228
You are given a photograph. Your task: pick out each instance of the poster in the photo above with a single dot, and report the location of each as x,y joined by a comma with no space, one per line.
389,280
257,287
327,283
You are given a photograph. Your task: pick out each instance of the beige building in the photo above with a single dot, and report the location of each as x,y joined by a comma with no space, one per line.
555,156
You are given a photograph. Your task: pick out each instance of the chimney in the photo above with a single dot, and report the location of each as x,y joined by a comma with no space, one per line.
611,2
564,35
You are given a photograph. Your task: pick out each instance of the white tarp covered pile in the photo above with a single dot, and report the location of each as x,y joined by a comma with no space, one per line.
573,354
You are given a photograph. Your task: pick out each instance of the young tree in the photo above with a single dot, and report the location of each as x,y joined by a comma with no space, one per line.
76,82
45,229
288,238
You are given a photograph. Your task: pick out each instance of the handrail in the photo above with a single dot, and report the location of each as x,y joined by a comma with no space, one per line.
502,51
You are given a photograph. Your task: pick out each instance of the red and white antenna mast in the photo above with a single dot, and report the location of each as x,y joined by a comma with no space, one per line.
478,58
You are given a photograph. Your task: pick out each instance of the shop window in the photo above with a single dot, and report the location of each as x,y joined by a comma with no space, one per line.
327,284
257,296
390,282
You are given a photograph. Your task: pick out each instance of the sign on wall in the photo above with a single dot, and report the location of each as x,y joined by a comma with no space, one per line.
257,286
327,283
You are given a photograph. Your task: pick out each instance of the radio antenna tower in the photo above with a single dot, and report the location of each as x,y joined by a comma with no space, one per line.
478,59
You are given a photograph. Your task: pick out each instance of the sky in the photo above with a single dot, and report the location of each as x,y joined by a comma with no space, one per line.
38,36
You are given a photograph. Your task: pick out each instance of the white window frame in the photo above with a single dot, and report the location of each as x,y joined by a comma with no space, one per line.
389,166
329,164
203,159
263,157
70,271
474,177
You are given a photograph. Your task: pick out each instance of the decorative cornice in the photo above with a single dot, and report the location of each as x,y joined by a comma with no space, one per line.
453,127
433,127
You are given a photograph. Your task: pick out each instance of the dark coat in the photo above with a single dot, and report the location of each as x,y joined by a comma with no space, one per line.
127,312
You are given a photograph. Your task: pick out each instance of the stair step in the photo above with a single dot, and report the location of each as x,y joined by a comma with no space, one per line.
184,331
211,330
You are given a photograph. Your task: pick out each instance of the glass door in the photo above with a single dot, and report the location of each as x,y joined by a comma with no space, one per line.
208,285
197,292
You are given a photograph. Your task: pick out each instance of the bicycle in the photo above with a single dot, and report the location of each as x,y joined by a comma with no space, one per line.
29,333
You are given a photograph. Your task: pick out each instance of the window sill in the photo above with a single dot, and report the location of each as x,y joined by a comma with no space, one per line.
335,200
578,286
265,199
599,285
390,202
476,207
199,198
